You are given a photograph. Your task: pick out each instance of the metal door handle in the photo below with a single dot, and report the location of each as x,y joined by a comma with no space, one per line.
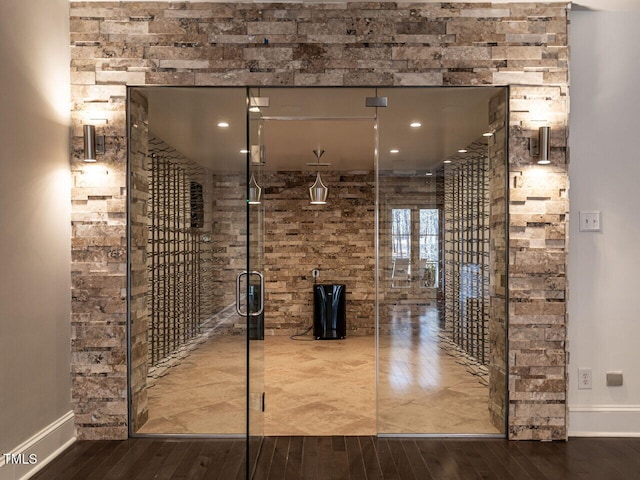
238,309
238,277
259,312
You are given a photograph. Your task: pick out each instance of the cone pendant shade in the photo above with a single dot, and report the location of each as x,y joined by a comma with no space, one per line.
255,192
318,192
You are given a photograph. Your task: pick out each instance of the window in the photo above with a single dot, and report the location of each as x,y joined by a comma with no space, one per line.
401,247
415,247
401,233
429,250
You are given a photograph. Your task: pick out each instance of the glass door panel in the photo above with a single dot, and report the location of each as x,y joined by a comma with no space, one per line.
255,155
438,372
188,243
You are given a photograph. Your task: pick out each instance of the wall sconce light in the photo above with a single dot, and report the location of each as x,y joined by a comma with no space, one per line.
540,147
255,192
92,144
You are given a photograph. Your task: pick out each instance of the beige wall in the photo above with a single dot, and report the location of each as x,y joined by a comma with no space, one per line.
35,218
603,266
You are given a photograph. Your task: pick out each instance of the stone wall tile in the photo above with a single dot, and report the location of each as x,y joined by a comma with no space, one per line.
115,77
189,13
485,12
124,27
170,78
414,79
268,28
515,77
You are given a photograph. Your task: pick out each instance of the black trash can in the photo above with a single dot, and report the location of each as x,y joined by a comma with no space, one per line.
329,308
256,324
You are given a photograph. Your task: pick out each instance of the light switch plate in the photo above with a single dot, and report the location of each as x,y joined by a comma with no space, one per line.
589,221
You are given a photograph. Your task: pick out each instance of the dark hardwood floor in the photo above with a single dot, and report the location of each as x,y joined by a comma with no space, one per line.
349,458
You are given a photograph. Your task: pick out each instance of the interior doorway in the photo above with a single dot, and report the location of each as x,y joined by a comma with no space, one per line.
224,189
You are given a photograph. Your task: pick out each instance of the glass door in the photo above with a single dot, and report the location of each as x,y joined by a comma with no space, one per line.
255,284
441,355
191,300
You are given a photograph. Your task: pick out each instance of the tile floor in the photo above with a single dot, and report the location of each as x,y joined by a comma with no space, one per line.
324,387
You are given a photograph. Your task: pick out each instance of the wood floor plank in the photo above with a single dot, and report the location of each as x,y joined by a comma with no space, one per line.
155,463
294,461
607,465
310,458
401,461
501,462
511,448
538,456
265,458
340,466
190,462
279,460
172,460
616,452
354,456
370,458
325,458
415,460
75,458
479,462
129,465
234,464
349,458
435,455
218,451
106,462
465,469
205,461
385,459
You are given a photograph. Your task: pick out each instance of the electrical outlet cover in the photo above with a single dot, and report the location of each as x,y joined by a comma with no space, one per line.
585,379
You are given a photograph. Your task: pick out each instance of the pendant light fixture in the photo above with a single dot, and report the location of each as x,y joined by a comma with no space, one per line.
318,191
255,192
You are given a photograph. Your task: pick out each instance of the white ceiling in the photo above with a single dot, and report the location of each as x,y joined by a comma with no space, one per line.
300,120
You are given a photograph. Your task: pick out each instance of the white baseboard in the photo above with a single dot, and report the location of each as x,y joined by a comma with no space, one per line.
604,420
40,449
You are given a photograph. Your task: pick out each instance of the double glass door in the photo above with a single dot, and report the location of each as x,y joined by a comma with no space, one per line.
219,243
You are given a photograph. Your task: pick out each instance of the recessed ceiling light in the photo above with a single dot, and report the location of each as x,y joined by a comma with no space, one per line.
244,151
462,150
223,124
487,134
447,161
254,109
394,150
415,124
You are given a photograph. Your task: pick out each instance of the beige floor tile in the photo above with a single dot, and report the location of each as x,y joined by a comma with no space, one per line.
324,387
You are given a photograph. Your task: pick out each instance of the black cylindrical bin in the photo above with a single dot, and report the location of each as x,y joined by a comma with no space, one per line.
256,323
329,307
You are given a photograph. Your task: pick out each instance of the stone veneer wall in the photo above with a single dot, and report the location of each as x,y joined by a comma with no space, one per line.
139,287
524,45
337,238
497,152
